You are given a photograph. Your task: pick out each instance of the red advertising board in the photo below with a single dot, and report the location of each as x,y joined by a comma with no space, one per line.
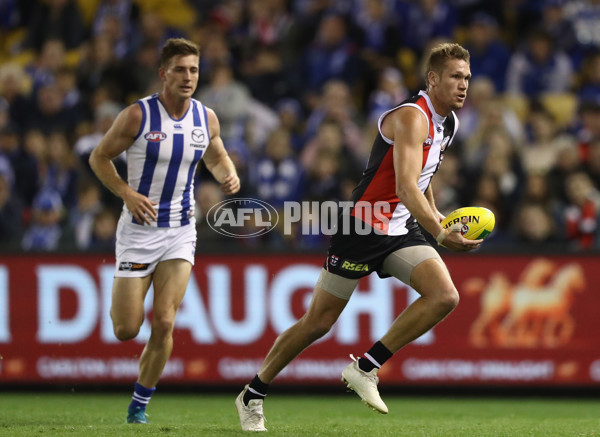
522,320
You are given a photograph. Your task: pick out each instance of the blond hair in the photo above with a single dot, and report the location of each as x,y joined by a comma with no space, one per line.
442,53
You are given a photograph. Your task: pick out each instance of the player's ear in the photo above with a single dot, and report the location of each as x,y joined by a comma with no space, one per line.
162,73
432,79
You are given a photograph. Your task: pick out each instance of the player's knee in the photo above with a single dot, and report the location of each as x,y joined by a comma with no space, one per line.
125,332
162,327
318,329
448,300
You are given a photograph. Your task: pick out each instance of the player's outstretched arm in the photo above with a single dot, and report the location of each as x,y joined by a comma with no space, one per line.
119,138
217,159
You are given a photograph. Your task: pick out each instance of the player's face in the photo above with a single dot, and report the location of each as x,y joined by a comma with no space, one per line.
180,78
451,89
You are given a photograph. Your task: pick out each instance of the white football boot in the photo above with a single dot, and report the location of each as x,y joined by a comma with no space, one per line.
364,385
251,416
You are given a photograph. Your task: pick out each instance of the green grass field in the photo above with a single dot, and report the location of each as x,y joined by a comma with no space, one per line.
97,414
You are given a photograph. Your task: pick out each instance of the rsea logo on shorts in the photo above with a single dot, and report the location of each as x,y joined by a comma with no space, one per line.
355,267
126,266
242,217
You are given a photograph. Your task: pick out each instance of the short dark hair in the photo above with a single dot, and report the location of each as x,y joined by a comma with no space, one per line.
442,53
177,46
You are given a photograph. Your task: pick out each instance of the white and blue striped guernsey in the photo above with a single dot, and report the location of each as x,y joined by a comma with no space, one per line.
162,160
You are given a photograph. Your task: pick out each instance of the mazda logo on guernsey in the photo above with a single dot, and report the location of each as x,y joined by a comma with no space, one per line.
155,136
197,135
242,217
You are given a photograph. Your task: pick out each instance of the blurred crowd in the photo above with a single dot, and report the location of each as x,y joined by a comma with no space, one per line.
298,86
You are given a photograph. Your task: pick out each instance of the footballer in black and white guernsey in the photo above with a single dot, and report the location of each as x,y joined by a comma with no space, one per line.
407,152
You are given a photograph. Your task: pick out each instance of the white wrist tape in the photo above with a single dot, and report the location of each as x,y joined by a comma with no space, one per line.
441,236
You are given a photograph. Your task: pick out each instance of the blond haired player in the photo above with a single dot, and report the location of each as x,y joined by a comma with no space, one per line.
406,153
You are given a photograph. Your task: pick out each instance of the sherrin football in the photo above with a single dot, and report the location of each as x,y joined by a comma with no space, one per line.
480,223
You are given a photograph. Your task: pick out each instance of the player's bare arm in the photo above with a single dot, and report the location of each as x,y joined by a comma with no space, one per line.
431,199
408,128
217,159
119,138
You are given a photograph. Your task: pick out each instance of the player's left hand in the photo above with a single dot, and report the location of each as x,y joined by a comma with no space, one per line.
231,184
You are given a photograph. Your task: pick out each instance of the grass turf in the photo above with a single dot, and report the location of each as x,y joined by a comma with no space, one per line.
98,414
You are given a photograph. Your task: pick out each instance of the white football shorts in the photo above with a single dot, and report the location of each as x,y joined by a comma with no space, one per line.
140,248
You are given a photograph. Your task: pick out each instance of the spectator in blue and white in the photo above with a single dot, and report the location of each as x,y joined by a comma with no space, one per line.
489,55
380,33
61,174
104,231
560,28
45,232
104,116
66,79
291,118
486,109
427,20
379,37
336,104
390,92
539,68
585,17
230,99
117,20
83,214
278,176
332,54
44,68
330,136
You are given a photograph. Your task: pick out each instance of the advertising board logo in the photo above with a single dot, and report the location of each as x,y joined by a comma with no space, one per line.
242,217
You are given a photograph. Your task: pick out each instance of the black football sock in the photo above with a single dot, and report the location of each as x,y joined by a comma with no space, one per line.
374,358
256,390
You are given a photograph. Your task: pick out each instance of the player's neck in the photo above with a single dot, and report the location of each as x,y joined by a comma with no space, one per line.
175,106
440,108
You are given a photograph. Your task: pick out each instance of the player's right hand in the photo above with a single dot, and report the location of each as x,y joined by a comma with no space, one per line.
456,242
142,208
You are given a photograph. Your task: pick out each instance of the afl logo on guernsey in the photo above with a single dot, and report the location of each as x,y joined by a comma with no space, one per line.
155,136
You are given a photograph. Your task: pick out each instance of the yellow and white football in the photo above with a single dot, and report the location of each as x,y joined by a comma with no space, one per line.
481,221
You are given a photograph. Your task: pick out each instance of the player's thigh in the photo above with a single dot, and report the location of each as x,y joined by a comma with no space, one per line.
431,278
171,278
403,262
128,296
330,297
